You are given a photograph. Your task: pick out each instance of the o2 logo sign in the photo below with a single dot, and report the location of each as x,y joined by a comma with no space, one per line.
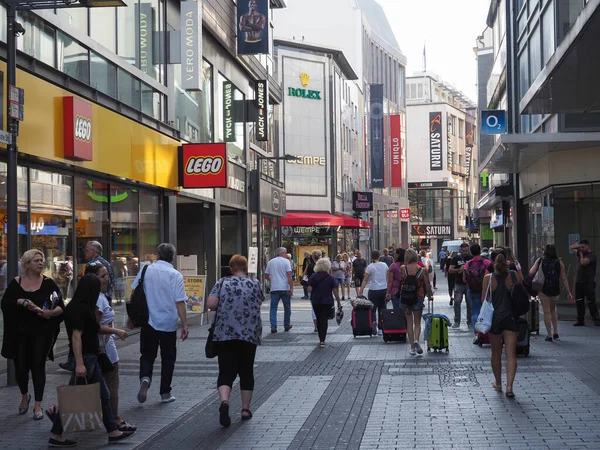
83,129
203,165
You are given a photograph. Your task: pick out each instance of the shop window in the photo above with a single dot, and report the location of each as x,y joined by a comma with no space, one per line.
152,102
52,225
129,89
76,17
73,59
103,27
194,109
103,75
150,234
22,214
38,40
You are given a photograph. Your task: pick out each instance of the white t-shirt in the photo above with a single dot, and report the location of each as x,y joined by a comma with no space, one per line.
278,269
377,275
107,319
338,269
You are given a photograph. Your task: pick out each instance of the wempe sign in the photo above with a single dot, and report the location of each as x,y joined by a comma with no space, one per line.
435,141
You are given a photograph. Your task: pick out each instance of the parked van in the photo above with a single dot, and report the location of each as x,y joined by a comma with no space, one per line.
453,246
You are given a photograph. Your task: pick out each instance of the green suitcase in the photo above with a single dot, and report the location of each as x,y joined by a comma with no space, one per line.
438,336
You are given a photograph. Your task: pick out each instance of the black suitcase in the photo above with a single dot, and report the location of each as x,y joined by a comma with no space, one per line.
362,322
392,325
523,341
533,316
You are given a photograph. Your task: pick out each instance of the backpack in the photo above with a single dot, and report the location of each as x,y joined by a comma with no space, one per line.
551,277
519,295
410,287
137,306
476,270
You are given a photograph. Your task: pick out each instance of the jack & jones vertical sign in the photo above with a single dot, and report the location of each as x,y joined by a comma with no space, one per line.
203,165
228,118
376,135
396,150
253,27
191,45
145,32
77,119
262,103
435,141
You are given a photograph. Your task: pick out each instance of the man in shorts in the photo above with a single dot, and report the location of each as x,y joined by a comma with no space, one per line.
359,265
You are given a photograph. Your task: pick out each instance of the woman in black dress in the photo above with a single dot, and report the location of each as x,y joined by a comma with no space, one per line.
32,306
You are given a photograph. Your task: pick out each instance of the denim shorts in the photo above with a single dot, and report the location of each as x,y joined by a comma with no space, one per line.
419,306
339,281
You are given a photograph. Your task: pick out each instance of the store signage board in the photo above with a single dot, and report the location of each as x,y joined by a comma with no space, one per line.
432,230
376,136
144,30
435,141
493,121
203,165
396,150
362,201
253,260
228,119
191,45
262,103
428,184
5,137
405,213
78,126
391,214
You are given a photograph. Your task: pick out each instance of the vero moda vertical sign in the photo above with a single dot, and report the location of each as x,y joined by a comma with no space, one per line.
376,136
435,141
191,45
396,150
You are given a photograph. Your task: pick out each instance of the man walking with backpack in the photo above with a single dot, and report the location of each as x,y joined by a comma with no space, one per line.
460,288
473,274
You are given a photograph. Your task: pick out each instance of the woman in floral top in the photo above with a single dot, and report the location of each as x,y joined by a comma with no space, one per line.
237,332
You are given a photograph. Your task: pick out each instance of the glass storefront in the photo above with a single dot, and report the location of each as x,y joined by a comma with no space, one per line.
299,240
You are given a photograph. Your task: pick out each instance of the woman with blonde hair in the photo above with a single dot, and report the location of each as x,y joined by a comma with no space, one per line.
33,308
323,287
237,333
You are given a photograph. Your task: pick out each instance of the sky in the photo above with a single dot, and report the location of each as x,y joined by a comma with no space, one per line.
448,28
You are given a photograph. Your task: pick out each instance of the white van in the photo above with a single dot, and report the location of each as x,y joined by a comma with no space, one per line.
452,246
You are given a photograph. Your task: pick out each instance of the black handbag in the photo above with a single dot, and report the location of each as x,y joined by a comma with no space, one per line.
104,363
210,349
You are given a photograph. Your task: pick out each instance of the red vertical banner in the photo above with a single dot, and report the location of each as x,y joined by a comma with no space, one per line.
395,151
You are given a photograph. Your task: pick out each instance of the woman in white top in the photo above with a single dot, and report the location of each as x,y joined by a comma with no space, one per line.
106,342
376,280
430,266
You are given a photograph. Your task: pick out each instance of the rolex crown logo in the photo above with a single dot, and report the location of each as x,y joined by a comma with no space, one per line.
304,79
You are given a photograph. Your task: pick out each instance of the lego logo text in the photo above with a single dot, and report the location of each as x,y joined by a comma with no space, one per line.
205,165
83,129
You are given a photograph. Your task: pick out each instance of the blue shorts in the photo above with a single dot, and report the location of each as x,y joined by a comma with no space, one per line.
419,306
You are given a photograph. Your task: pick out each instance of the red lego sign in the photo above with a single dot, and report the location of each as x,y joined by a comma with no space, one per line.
203,165
77,116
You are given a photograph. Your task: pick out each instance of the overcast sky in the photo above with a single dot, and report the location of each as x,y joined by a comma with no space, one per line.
449,28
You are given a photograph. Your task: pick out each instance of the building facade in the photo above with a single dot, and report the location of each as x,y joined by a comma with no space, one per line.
549,152
442,156
364,36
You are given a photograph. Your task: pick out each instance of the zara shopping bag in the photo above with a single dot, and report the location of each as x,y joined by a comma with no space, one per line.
80,407
484,321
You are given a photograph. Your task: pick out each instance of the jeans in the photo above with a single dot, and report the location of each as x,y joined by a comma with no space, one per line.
284,296
305,288
586,292
396,301
32,352
236,358
460,291
451,284
378,300
94,375
322,313
474,299
150,340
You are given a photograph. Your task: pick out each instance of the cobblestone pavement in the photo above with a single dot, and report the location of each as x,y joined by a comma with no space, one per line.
355,394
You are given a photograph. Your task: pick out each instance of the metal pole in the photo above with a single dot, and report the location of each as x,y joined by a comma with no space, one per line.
11,166
378,229
259,240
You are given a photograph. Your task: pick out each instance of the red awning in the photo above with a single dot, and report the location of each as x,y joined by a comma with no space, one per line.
315,219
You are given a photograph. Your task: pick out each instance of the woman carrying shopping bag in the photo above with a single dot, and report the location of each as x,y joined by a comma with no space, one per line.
82,330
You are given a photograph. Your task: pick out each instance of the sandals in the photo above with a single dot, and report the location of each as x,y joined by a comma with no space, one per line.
224,418
510,394
497,387
248,416
126,426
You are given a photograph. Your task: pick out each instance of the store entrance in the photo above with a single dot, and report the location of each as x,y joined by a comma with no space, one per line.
233,236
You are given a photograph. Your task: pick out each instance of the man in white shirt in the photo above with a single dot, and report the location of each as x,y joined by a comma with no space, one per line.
279,272
166,298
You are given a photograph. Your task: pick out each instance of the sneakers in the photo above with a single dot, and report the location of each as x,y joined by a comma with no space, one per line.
66,366
476,340
555,337
548,339
54,443
379,332
167,398
343,298
451,301
456,325
412,352
418,348
273,330
288,328
143,392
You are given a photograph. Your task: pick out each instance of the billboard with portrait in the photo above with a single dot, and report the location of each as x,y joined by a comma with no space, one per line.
253,27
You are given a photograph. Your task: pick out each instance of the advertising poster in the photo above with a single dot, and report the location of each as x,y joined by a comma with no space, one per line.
435,141
376,136
195,289
396,150
573,239
253,27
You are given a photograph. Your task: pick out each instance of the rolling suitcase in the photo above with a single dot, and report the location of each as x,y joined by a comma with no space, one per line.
438,335
393,325
533,316
523,340
483,339
362,322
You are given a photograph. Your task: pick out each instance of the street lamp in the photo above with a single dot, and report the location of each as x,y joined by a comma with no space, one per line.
15,29
379,222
